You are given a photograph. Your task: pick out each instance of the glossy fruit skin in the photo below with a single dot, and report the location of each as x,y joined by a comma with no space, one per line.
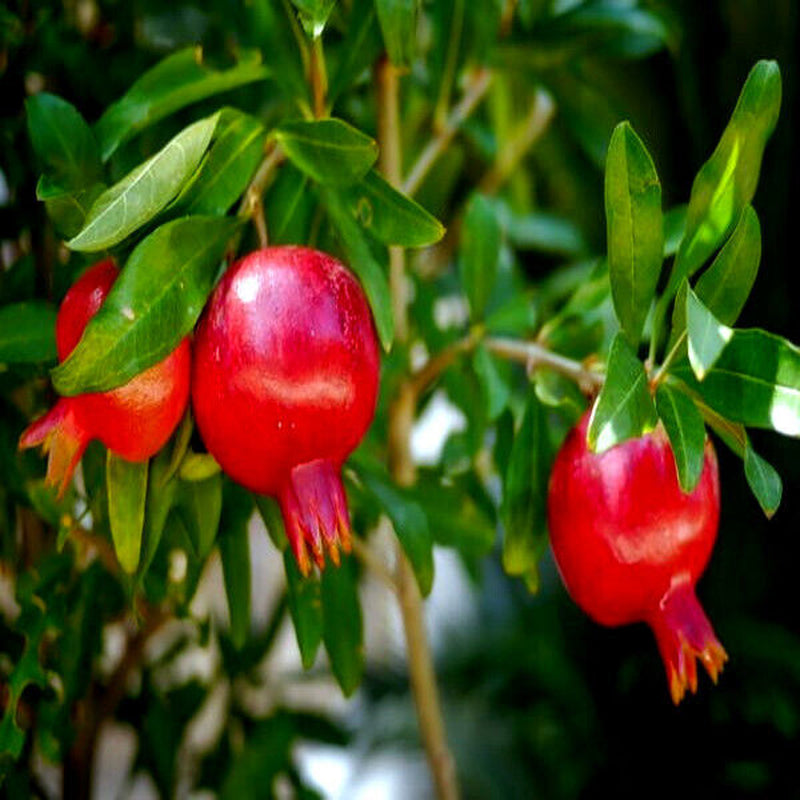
134,420
630,544
284,385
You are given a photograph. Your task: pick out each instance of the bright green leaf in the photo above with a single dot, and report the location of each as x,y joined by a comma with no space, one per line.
234,550
392,217
328,150
127,492
524,509
764,481
624,409
342,626
314,14
480,253
398,20
141,194
635,229
686,432
154,303
496,390
707,336
674,229
198,467
178,81
305,607
69,211
27,333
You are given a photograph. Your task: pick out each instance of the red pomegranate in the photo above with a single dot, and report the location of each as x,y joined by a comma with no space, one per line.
135,420
630,544
284,386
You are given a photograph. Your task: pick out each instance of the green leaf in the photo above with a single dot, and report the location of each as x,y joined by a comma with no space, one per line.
290,206
360,48
542,231
234,550
305,607
363,262
141,194
410,525
763,480
199,506
270,511
342,625
27,333
727,181
63,143
635,229
624,409
328,150
398,20
198,467
160,499
496,390
481,239
707,336
227,168
674,228
314,14
524,509
68,211
127,492
686,432
756,381
392,217
153,304
174,83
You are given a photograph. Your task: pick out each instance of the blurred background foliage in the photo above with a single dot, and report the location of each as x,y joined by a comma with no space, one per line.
539,701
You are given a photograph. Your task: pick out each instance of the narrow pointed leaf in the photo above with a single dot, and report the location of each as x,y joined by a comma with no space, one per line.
145,191
363,262
127,491
342,626
524,508
154,303
271,515
686,431
361,47
328,150
227,168
495,388
199,506
392,217
635,229
178,81
160,499
764,481
756,381
314,14
481,239
27,333
624,409
727,181
707,336
234,550
398,20
305,608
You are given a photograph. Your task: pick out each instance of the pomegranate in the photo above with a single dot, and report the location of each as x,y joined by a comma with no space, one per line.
630,544
284,385
134,420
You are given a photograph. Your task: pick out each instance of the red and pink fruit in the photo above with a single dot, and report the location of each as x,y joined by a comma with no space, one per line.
630,544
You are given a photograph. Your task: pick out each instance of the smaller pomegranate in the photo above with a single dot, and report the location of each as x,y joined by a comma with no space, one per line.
630,544
284,385
134,420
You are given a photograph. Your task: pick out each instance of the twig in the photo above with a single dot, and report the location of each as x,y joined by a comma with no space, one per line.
318,78
438,363
428,157
252,204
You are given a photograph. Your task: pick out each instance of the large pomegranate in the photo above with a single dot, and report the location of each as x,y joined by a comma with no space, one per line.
630,544
284,385
135,420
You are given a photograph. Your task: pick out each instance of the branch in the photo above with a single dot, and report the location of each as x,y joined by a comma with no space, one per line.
252,204
473,94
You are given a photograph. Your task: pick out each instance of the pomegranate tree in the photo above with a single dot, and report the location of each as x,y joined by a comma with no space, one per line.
630,544
134,420
284,385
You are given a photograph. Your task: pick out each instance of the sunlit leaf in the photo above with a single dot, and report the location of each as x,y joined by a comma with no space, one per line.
707,336
127,492
686,432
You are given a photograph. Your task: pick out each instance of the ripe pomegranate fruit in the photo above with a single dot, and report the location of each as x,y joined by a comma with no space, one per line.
134,420
630,544
284,385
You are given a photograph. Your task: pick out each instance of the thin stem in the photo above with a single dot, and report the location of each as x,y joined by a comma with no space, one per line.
437,364
530,130
671,356
473,94
533,355
252,204
319,78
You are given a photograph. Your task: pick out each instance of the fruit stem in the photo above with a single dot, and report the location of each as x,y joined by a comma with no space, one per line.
422,674
319,78
473,94
252,205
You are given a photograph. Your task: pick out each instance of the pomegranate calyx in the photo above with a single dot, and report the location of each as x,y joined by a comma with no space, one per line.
684,634
62,438
315,513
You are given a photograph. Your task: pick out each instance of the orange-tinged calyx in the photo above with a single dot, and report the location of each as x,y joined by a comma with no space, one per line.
62,438
684,635
315,513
